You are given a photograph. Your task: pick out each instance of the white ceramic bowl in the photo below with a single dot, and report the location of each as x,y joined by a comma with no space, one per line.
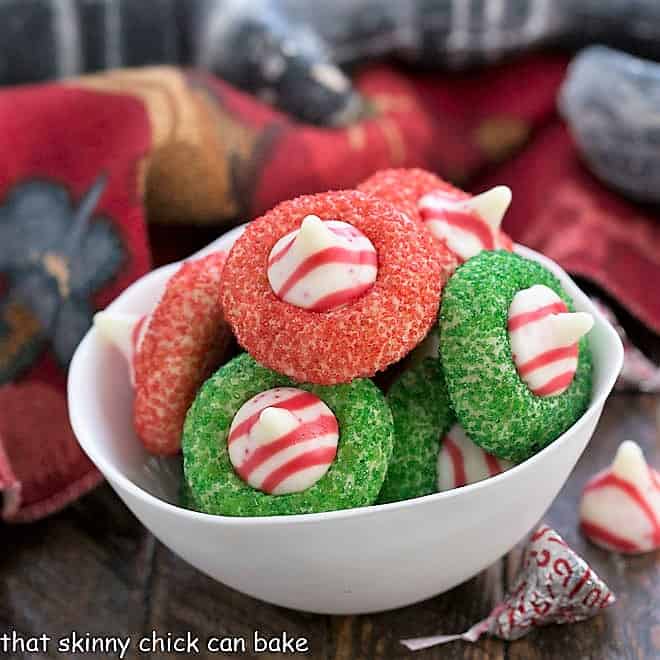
343,562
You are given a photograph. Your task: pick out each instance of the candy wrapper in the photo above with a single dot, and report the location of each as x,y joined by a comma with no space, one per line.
555,585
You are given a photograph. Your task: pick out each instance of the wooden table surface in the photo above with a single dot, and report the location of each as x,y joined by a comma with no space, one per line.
94,569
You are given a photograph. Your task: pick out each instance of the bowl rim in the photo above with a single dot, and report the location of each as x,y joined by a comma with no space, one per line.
117,478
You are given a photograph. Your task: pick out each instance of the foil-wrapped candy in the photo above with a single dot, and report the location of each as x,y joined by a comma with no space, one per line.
554,585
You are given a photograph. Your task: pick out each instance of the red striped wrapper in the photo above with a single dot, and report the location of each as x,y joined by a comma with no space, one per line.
555,585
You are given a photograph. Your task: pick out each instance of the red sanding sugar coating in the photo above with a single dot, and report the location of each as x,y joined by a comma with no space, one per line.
405,187
356,340
186,340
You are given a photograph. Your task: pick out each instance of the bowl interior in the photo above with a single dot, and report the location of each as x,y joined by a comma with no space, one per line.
101,397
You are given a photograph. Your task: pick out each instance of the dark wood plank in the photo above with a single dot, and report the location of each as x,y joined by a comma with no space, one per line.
377,636
94,568
84,569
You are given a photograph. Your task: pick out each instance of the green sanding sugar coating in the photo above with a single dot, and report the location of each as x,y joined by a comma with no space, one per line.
495,407
422,414
353,480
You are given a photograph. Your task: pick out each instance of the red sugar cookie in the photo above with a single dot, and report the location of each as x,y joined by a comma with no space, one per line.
405,187
185,341
412,191
361,337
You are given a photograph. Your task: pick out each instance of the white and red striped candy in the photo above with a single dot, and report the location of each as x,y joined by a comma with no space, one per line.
125,331
620,508
543,335
283,440
462,462
323,265
467,225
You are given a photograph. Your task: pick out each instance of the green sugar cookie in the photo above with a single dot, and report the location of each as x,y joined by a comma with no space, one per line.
422,414
353,478
496,408
186,498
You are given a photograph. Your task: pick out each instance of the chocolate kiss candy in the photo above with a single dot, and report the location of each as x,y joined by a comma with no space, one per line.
555,585
620,508
125,331
543,336
467,224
